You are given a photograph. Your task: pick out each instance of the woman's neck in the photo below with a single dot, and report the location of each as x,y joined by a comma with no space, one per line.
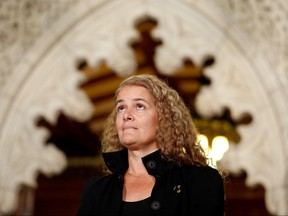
136,166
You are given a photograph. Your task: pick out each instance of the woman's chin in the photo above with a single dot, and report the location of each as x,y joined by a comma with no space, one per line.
129,144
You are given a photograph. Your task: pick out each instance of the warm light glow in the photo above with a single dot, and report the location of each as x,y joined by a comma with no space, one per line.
204,143
220,145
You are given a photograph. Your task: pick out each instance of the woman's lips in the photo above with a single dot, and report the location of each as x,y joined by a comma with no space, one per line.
129,127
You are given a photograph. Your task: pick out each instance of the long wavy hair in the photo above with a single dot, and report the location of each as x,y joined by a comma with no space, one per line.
176,132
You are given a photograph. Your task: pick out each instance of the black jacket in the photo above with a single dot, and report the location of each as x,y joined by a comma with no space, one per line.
179,190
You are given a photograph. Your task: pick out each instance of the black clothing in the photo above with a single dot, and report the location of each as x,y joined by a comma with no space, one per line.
179,190
138,208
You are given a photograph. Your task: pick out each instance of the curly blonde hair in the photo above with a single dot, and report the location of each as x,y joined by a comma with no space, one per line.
176,132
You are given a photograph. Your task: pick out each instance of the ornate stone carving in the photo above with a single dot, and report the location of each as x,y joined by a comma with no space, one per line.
22,24
40,84
255,54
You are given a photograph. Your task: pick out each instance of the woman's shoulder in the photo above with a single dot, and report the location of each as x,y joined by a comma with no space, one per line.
98,182
201,172
203,179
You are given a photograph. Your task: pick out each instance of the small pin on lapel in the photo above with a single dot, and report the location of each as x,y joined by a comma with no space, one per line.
177,188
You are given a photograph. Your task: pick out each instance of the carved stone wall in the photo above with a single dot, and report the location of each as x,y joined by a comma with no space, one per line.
38,76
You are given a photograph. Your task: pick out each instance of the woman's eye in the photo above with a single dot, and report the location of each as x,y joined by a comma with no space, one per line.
120,109
140,107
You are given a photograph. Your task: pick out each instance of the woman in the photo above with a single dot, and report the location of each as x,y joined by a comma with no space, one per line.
157,165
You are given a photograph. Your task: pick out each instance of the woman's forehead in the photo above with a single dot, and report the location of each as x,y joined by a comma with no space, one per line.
134,92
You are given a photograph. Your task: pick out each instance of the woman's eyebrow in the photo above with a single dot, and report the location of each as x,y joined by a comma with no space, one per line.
119,101
140,99
135,99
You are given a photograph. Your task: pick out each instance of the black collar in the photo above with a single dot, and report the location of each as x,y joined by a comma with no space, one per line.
155,164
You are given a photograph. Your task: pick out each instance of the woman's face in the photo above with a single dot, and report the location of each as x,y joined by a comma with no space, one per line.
137,118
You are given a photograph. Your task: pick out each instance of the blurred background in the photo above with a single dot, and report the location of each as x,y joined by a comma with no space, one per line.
61,62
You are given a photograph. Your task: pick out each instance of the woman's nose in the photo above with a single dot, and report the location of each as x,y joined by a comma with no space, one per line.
128,116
